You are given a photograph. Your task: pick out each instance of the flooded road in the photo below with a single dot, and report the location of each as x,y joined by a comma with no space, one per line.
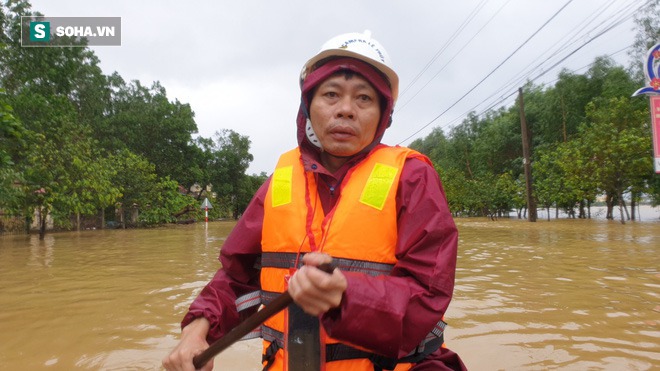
560,294
570,295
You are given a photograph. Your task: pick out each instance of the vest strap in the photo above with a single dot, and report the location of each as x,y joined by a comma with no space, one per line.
342,352
272,335
269,355
285,260
427,347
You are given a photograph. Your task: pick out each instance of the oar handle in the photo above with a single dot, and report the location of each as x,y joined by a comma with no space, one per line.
250,323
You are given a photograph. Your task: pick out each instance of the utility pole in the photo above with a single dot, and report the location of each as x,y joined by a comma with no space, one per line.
527,163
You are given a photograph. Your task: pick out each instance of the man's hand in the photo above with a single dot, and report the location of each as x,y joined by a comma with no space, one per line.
193,342
315,291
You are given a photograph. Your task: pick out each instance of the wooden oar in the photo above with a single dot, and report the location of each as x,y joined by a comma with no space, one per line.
250,324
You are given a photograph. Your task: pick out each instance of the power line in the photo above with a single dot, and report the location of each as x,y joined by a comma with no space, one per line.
517,80
514,92
490,73
453,57
623,15
444,47
501,100
581,46
525,72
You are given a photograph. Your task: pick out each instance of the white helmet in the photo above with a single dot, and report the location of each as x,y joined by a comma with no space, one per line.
360,46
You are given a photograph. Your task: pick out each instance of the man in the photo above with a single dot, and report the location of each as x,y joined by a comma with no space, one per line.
379,213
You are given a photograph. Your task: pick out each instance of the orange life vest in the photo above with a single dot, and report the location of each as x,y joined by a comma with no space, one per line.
360,232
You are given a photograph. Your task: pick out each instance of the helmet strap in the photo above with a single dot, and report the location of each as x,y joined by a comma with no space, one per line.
311,135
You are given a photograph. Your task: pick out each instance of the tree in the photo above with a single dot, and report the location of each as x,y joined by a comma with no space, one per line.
56,93
158,199
12,135
231,152
90,141
498,149
618,144
433,145
64,172
144,121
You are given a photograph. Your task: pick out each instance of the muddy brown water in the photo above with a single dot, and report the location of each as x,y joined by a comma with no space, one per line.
563,294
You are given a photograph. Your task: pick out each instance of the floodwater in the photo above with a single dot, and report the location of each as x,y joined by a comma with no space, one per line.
560,294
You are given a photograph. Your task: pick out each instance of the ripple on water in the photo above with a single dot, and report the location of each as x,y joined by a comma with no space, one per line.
617,314
581,312
615,278
51,362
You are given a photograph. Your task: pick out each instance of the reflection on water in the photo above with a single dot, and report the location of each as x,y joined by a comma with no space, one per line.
548,295
41,251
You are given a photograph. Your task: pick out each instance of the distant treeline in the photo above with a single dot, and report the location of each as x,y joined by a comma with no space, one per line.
590,139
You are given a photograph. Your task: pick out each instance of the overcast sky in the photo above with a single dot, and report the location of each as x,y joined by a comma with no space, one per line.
237,63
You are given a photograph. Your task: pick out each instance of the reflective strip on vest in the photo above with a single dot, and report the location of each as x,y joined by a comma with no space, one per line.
282,185
287,260
248,300
255,298
439,328
378,186
271,335
256,333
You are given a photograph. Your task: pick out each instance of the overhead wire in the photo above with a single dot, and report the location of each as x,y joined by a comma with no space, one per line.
527,72
621,17
601,33
527,76
572,34
465,45
503,99
444,47
491,72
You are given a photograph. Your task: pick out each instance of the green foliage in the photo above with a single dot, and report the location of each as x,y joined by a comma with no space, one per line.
144,121
158,200
165,201
75,142
64,161
229,159
589,137
618,145
12,135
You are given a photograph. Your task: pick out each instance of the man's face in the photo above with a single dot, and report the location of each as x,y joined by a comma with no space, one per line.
345,113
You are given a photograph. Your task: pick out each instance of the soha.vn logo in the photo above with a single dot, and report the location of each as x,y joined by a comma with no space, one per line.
40,31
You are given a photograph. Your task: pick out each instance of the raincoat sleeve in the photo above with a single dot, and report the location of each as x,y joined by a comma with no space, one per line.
416,295
238,275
